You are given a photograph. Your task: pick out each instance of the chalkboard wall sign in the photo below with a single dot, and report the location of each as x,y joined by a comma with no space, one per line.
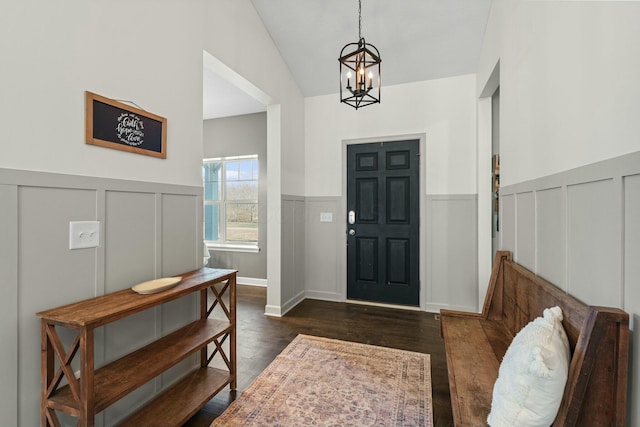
112,124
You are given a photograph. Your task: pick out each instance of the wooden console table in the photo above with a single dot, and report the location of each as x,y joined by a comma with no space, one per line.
96,389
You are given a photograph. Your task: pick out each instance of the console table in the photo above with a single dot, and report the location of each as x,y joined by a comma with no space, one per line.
98,388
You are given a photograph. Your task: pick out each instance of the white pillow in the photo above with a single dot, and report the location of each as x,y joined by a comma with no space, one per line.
532,374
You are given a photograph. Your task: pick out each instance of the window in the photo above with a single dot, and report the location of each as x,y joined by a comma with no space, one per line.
231,201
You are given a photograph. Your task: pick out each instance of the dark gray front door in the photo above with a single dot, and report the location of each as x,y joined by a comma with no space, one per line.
383,222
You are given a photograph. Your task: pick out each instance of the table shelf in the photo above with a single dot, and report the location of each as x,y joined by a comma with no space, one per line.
176,405
96,389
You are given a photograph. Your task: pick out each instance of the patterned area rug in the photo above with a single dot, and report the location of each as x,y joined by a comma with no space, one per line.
323,382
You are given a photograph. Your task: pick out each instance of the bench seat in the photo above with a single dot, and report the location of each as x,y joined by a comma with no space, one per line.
475,344
474,349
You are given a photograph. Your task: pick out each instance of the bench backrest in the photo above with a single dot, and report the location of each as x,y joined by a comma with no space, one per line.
595,393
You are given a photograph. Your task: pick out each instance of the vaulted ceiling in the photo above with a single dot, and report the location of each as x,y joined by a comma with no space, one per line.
417,39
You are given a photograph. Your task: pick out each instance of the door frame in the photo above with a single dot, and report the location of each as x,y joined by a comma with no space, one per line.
425,287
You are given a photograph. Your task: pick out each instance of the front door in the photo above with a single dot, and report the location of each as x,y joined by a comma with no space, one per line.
383,222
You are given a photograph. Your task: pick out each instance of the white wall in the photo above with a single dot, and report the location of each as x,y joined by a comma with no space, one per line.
54,51
569,97
442,115
235,35
444,109
149,52
570,70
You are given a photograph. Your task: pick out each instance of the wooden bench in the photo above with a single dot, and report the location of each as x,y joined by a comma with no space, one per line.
475,343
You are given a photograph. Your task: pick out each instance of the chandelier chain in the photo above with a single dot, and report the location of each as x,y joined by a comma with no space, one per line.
359,19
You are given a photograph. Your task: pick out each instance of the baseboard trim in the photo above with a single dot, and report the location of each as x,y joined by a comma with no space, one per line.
287,306
435,308
324,296
251,281
272,311
279,311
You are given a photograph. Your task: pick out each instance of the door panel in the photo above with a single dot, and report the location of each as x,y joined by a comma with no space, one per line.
367,200
366,252
383,241
398,206
398,261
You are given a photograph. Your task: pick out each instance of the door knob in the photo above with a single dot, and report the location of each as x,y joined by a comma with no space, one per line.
352,232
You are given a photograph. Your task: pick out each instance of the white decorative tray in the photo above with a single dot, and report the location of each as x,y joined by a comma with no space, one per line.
157,285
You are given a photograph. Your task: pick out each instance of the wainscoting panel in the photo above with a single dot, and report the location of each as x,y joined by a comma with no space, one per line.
325,249
129,236
508,223
550,235
448,270
181,246
451,258
49,274
632,243
588,239
300,241
9,303
525,229
141,238
181,232
632,282
130,258
593,243
293,251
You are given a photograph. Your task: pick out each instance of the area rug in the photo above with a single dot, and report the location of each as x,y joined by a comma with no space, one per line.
324,382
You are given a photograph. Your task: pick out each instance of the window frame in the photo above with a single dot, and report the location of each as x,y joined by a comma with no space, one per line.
223,244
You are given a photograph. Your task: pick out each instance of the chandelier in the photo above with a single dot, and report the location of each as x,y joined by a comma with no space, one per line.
359,71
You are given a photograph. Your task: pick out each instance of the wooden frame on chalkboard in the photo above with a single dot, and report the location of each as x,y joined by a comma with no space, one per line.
112,124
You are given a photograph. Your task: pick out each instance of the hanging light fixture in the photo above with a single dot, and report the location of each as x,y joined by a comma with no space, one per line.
359,71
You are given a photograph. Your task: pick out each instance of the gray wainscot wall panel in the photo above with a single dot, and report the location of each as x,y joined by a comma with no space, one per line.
448,230
324,249
593,243
525,229
181,245
288,250
130,258
300,237
452,252
50,274
550,235
632,282
181,239
9,303
508,223
249,265
588,239
293,251
43,272
130,232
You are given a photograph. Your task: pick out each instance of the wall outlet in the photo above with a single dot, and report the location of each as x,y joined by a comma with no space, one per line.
84,234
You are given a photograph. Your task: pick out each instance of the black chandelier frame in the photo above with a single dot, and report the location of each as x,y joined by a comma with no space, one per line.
364,60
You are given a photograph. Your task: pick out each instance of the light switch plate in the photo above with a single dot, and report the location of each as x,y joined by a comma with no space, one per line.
84,234
326,216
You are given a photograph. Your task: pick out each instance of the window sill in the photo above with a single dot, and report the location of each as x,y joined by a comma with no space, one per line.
230,247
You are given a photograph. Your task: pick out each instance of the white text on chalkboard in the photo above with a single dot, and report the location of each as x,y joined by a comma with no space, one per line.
130,129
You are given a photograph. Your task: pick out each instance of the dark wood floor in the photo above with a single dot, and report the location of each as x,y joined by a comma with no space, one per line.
261,339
